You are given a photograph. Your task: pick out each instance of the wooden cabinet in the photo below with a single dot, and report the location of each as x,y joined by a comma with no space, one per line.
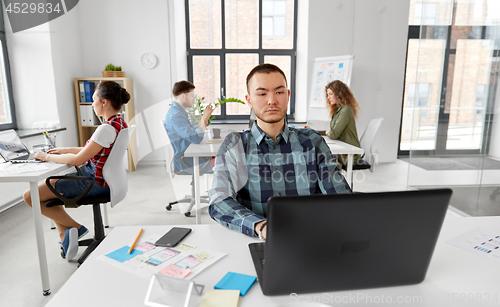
84,112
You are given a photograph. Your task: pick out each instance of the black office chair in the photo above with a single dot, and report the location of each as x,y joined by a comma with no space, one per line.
115,175
172,171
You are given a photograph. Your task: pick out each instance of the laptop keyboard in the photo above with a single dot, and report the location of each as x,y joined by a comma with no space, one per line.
26,161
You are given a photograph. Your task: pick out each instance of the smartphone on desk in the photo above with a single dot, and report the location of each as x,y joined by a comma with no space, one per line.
173,237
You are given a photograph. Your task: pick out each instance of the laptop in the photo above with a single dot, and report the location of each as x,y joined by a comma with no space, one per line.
324,243
13,150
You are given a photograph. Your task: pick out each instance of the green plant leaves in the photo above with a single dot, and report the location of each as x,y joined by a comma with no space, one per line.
196,111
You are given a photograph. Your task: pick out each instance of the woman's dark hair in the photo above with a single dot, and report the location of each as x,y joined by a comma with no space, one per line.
113,92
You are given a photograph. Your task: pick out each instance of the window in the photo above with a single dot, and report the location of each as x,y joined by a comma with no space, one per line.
418,97
7,110
227,38
273,18
453,50
425,13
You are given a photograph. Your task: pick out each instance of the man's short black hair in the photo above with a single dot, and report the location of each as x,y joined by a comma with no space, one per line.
264,68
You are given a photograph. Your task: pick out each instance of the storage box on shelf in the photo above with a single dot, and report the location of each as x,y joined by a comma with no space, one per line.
87,121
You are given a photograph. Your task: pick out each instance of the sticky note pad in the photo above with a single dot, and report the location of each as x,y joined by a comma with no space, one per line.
185,247
236,281
220,298
122,255
175,271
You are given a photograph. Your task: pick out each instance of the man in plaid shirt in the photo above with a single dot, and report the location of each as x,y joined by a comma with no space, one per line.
270,159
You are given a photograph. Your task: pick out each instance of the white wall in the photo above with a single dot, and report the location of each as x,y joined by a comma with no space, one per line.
67,65
119,32
375,32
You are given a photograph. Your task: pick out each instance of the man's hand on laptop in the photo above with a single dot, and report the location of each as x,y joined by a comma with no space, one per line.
261,230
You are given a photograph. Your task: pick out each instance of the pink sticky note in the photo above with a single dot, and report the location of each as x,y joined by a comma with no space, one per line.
175,271
323,66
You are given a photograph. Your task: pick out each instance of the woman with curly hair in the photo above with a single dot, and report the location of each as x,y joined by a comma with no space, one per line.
344,110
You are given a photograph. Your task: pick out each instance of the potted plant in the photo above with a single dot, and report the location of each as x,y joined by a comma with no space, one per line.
112,71
197,110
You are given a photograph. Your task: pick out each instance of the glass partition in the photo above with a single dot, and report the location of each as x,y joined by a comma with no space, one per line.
450,128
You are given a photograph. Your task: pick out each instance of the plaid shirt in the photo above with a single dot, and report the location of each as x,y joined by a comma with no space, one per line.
100,158
250,167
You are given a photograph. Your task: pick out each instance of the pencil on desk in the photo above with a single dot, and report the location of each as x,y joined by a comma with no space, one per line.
135,242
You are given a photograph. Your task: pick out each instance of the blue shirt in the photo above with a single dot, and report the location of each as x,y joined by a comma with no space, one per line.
250,168
182,132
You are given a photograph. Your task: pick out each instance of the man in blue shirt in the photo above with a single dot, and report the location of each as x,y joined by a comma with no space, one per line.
180,127
270,159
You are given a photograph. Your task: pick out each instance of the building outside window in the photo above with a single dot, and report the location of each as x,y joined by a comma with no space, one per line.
227,38
453,47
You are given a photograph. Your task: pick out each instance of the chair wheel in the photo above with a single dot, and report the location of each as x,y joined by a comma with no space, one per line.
169,207
187,214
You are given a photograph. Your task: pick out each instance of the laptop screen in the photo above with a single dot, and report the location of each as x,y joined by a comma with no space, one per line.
11,146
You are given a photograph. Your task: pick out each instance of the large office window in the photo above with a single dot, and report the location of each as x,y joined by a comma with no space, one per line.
227,38
453,48
7,111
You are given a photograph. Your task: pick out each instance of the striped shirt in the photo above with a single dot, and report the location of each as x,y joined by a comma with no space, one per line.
250,168
100,158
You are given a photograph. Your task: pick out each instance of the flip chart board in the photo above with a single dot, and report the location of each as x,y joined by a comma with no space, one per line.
325,70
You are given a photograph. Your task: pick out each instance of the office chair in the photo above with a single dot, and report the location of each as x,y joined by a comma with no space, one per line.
115,175
366,142
170,168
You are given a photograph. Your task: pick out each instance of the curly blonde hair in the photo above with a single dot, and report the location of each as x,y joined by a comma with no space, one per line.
344,96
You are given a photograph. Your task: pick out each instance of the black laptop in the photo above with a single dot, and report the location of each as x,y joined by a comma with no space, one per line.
13,150
323,243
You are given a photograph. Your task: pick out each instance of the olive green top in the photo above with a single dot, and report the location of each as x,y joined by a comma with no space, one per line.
343,128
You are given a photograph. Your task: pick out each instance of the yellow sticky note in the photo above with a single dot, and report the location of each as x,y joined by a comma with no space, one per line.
220,298
185,247
203,256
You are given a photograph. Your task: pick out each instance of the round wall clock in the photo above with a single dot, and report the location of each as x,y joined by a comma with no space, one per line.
148,60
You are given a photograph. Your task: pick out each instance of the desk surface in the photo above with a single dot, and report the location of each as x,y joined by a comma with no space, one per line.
53,168
209,146
339,147
452,273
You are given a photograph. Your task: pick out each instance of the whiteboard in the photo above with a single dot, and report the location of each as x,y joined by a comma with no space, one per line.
325,70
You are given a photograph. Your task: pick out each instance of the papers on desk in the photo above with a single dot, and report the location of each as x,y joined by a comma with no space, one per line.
183,261
480,242
12,169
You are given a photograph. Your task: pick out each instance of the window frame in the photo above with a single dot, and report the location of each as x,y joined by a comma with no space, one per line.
419,31
223,51
8,79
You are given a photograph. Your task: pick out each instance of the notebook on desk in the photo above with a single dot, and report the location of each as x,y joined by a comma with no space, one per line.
13,150
323,243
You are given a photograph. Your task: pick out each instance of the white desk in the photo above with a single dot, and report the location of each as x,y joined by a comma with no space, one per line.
33,178
452,271
341,148
207,148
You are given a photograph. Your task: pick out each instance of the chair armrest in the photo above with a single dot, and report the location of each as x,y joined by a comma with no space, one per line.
69,202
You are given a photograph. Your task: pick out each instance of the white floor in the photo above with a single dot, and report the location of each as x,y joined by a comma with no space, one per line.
150,190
